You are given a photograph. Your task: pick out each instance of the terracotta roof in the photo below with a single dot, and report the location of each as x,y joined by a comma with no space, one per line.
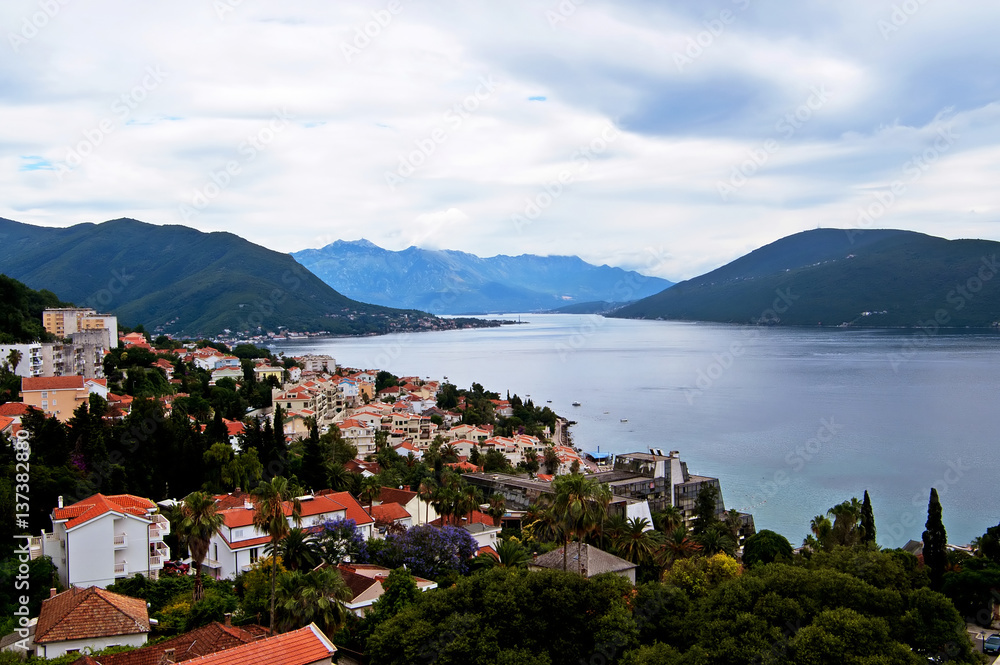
87,509
393,495
389,512
477,518
319,504
232,500
93,612
51,383
14,409
358,584
354,510
4,422
298,647
202,641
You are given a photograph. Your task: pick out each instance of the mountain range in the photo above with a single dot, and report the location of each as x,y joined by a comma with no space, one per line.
179,280
873,278
452,282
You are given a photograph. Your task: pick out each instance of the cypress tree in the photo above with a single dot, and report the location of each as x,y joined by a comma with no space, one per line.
867,521
935,541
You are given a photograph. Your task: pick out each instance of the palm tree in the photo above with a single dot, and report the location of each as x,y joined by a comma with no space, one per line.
613,527
715,540
426,494
298,550
821,528
678,545
340,477
371,488
733,524
200,520
14,358
317,596
668,519
270,518
510,554
498,506
637,542
579,504
845,522
469,498
449,453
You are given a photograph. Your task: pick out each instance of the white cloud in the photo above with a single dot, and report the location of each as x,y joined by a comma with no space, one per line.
353,115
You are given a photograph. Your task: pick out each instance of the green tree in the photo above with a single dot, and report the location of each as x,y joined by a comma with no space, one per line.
637,542
766,547
706,509
580,504
298,550
867,521
315,465
935,542
314,597
200,520
270,518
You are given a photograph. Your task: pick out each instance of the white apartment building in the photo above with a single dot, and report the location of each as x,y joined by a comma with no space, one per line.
102,539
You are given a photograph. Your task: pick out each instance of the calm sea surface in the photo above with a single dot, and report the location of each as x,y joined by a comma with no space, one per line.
791,421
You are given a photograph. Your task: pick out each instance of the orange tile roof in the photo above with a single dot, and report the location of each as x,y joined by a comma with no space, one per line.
354,510
30,384
298,647
477,518
202,641
87,509
4,422
389,512
319,504
93,612
393,495
14,409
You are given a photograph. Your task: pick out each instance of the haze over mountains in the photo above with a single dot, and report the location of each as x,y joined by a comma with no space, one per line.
876,278
183,281
452,282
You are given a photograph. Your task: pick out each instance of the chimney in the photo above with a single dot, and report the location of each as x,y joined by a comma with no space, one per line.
60,501
167,657
52,592
228,618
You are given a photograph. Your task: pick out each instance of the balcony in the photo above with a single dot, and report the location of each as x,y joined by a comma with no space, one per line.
121,569
121,541
158,555
159,528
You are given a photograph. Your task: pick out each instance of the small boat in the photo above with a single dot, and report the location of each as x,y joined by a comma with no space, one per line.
623,420
576,404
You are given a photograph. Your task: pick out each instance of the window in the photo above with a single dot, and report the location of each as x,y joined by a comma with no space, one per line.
237,534
254,555
45,404
45,394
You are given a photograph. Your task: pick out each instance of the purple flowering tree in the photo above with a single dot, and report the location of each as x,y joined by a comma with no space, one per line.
430,552
340,541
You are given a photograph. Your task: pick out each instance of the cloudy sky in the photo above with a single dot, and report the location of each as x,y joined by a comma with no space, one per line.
665,137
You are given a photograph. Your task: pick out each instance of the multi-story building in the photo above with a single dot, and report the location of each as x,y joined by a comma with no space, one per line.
84,357
64,321
102,539
238,544
59,396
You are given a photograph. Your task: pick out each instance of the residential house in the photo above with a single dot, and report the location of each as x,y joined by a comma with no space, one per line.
91,619
238,544
305,646
390,516
471,432
365,583
59,396
102,539
265,372
586,560
202,641
313,363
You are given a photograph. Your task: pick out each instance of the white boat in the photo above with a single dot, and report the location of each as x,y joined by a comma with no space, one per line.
576,404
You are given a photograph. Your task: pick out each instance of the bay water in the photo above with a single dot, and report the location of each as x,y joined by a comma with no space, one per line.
792,421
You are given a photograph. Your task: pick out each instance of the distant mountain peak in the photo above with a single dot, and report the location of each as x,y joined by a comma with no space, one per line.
454,282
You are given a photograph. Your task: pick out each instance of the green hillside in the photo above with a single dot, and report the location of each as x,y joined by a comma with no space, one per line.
179,280
833,277
21,314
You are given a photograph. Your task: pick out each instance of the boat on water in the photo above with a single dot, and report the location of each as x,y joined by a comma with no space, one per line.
623,420
576,404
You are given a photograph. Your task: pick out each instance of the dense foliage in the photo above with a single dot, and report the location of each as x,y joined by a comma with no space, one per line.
21,314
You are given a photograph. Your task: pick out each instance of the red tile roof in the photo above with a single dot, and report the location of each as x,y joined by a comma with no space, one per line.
319,504
393,495
14,409
298,647
202,641
93,612
87,509
477,518
389,512
51,383
358,584
4,422
354,510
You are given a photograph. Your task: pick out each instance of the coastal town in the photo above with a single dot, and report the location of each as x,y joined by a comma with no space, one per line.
345,487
